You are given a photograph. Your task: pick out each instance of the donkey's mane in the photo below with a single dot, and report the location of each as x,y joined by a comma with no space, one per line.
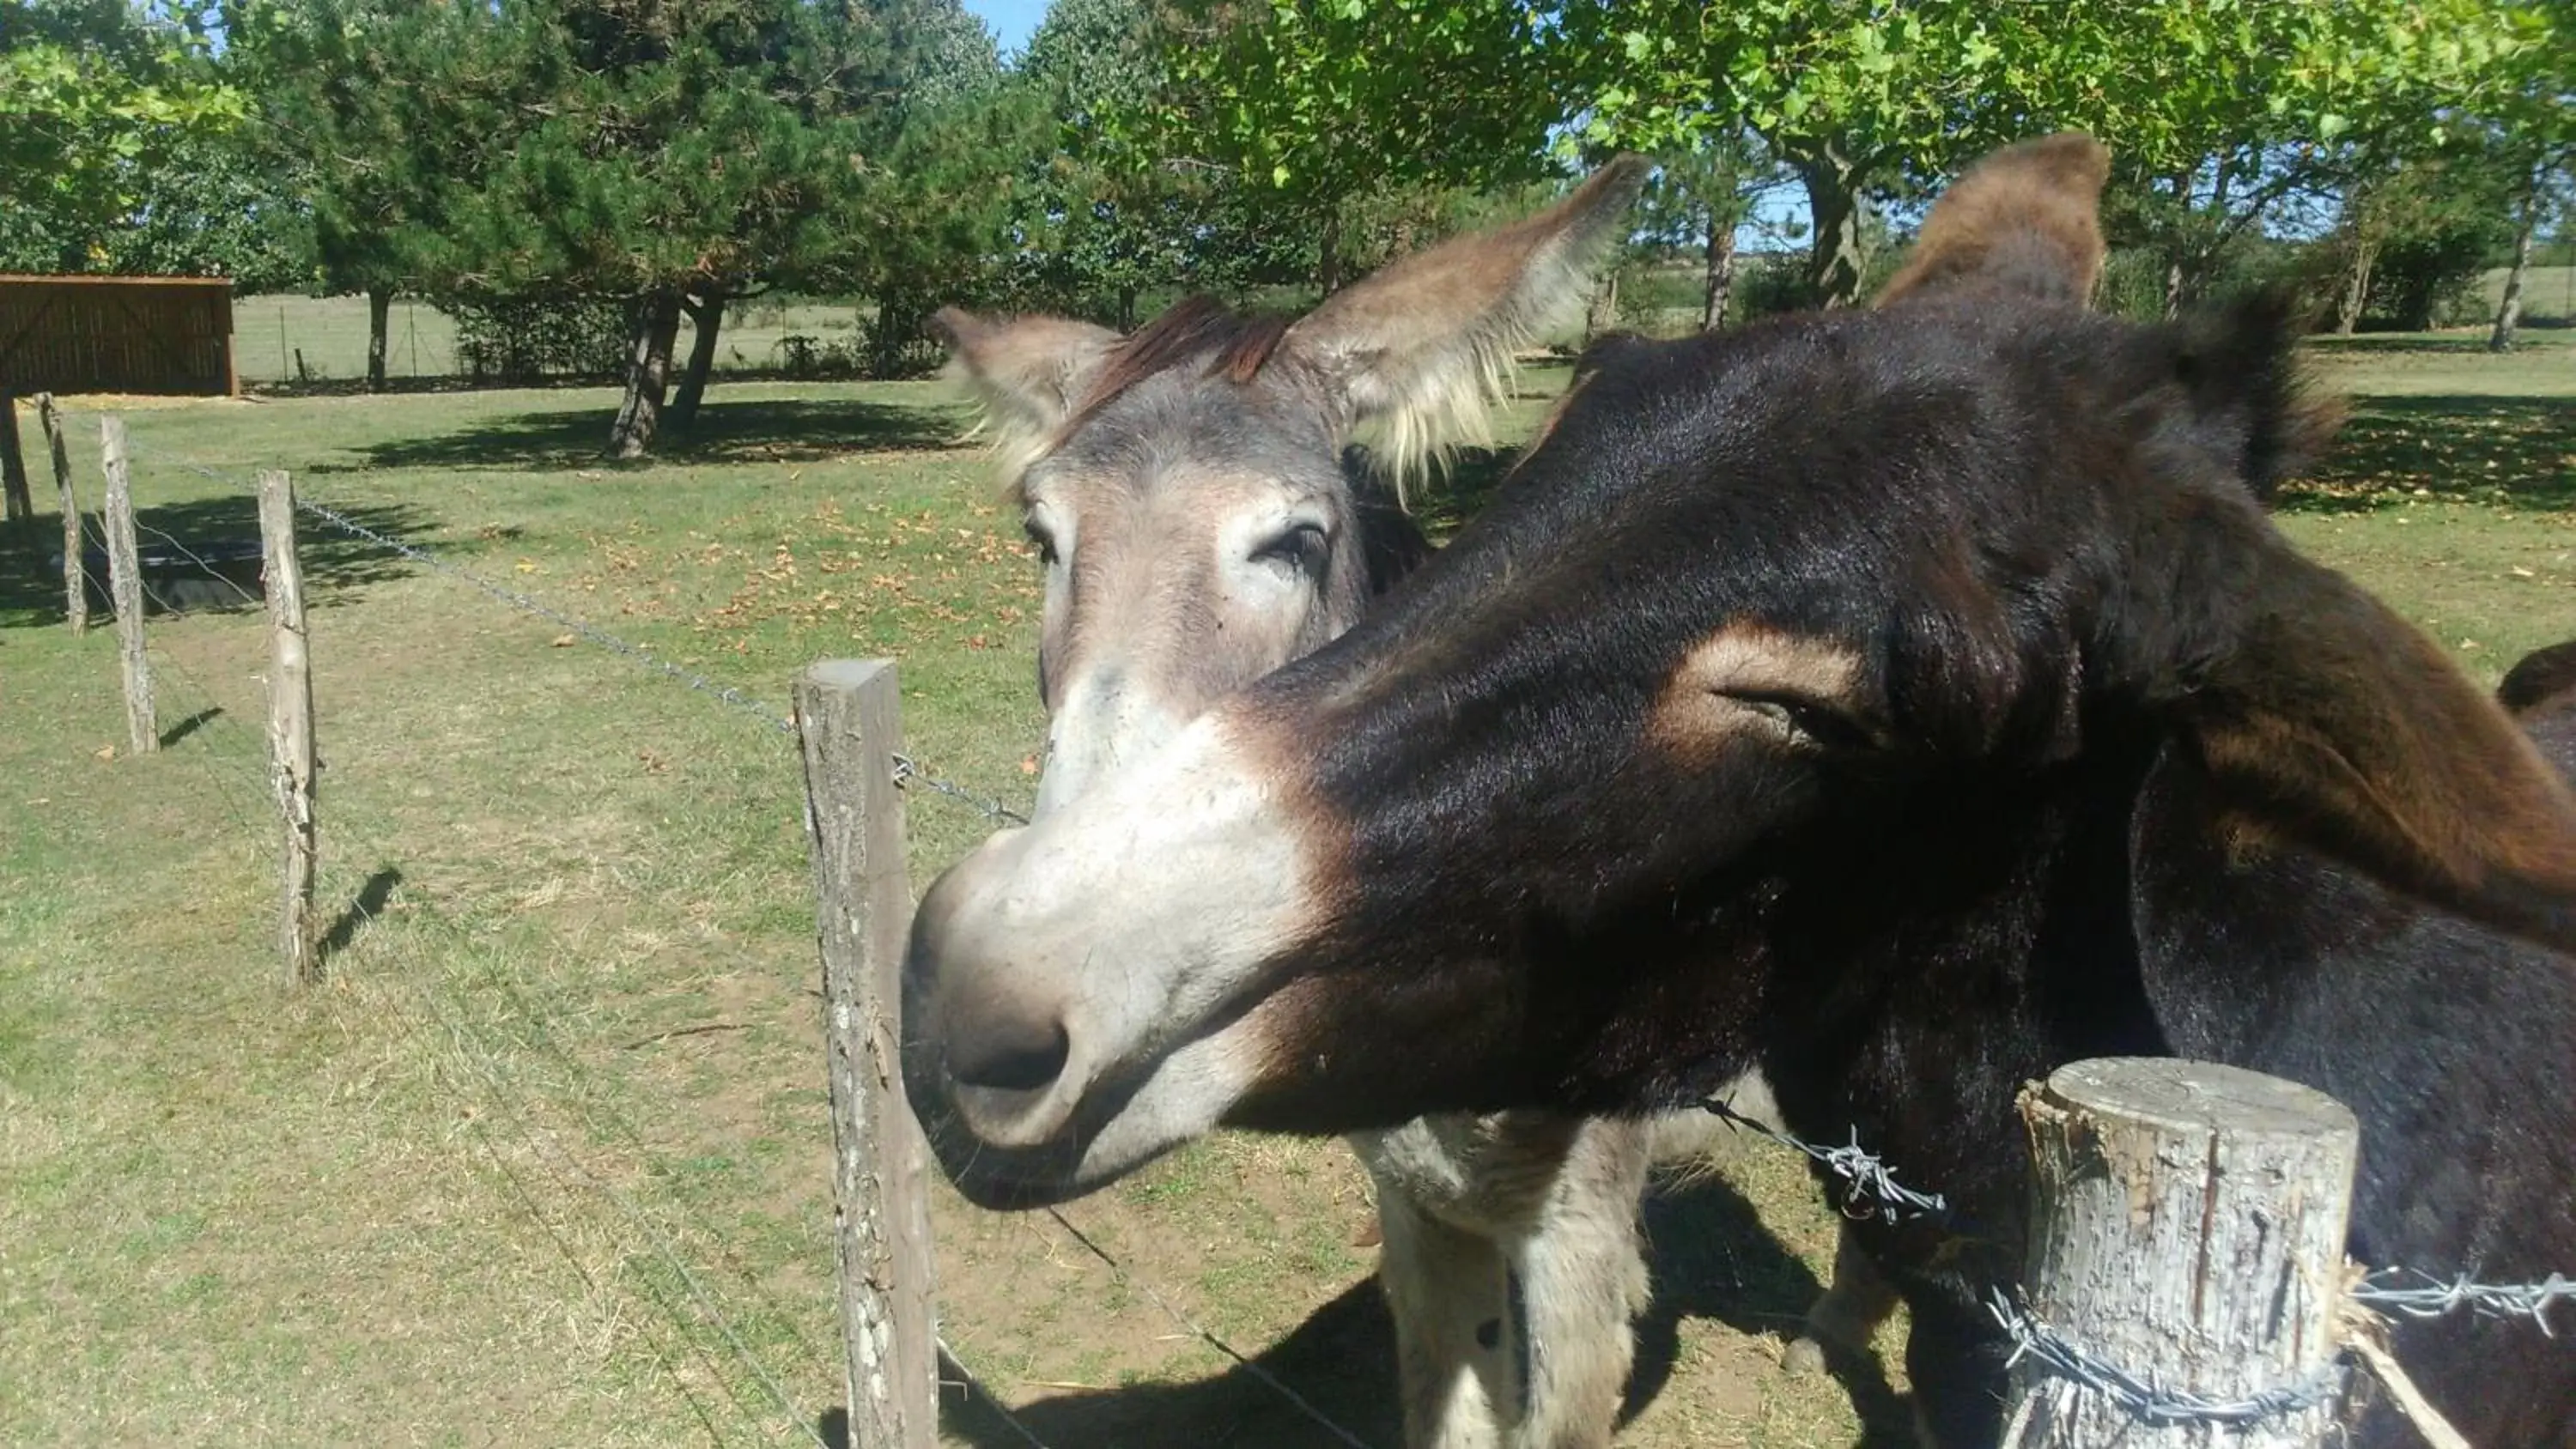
1235,345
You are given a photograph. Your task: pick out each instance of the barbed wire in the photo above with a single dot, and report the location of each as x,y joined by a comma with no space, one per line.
1870,1186
503,1095
2435,1297
976,1390
2142,1399
908,771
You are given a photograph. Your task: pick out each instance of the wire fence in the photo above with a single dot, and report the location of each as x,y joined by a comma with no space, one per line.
513,1102
1870,1187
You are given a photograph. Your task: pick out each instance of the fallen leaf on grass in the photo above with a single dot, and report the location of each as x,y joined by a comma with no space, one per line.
104,752
2518,571
563,641
1029,765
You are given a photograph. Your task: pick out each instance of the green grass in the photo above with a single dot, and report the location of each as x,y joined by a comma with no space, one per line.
487,1182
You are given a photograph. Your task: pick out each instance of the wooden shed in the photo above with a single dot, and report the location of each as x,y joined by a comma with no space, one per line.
117,334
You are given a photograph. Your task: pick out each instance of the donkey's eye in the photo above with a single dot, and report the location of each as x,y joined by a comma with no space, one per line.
1044,540
1807,718
1302,548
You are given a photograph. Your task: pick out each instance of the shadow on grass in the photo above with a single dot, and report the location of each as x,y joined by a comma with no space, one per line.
1711,1259
768,430
189,726
2516,452
1341,1360
366,906
199,555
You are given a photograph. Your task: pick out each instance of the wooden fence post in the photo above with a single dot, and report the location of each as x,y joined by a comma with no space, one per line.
2187,1226
125,582
13,464
290,717
850,715
75,581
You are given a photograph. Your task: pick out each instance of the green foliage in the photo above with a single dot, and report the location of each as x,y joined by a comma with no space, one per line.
102,105
518,340
1309,104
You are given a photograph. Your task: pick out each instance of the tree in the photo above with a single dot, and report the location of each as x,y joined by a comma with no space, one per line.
100,104
1698,200
1101,218
354,102
1309,104
678,156
1863,97
2529,118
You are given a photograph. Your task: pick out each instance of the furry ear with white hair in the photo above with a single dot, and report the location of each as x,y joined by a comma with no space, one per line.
1026,371
1420,351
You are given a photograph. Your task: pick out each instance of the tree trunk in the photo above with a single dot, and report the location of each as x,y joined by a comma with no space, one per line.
1840,248
2509,315
1328,268
1719,285
2356,285
380,310
708,317
2174,270
648,373
1603,314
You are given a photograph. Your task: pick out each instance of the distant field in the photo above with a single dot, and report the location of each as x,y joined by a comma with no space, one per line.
2548,293
331,333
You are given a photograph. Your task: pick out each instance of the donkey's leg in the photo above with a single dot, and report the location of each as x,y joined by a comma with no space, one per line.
1457,1345
1854,1304
1583,1282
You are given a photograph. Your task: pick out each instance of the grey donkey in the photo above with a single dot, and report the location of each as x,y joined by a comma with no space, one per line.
1186,490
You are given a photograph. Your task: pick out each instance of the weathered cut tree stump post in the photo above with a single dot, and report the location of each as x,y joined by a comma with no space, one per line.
75,582
850,714
290,719
125,585
2187,1227
13,464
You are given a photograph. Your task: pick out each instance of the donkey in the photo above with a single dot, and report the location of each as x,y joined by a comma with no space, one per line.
1906,702
1181,488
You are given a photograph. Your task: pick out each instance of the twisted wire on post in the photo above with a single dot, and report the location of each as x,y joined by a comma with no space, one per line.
2140,1398
2433,1297
1870,1186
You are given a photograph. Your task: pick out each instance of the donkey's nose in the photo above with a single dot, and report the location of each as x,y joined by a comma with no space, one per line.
1004,1064
994,1032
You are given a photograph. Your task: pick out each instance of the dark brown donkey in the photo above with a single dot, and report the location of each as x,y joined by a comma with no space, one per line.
1198,530
1907,702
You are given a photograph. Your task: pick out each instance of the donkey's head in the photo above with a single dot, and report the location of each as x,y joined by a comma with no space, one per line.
1185,485
1844,586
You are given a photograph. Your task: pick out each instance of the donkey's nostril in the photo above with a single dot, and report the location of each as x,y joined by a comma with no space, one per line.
1012,1056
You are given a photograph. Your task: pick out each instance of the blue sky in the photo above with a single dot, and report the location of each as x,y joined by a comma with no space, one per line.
1012,20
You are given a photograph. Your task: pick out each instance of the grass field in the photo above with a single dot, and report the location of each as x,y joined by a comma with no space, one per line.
544,1160
330,335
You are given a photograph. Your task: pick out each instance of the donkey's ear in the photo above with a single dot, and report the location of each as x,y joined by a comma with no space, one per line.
2025,220
2324,716
1423,346
1027,371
